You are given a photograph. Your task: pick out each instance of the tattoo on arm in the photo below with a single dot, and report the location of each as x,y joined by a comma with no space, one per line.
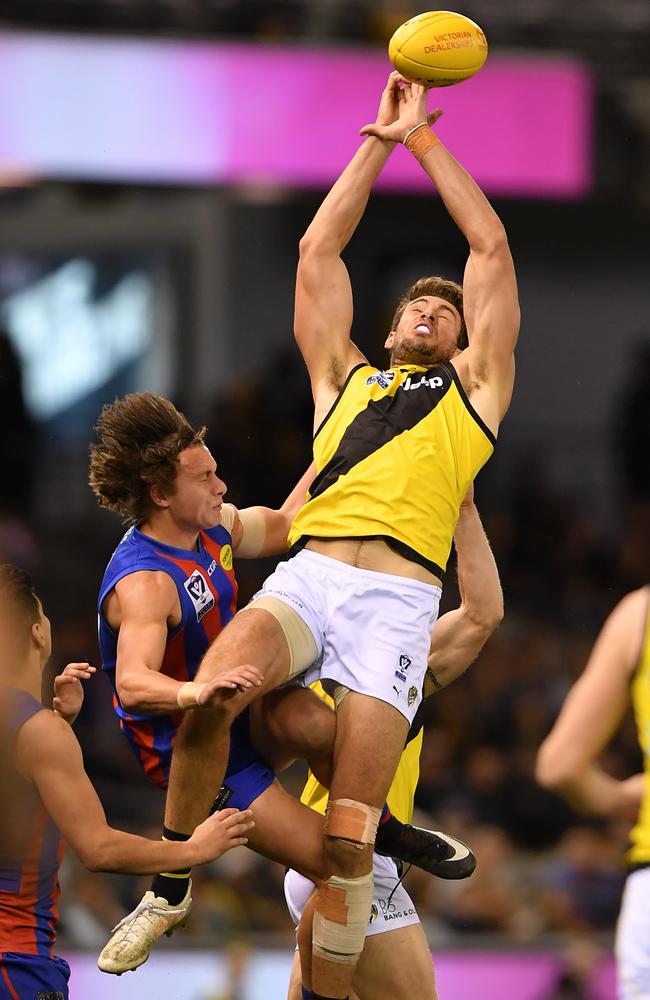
434,680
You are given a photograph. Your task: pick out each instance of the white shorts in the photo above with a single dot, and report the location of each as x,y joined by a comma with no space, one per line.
391,907
633,938
372,630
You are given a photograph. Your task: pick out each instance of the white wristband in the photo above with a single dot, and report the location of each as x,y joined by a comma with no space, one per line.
188,693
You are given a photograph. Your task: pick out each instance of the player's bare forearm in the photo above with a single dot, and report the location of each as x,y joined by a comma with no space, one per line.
145,691
460,635
478,576
340,213
276,540
595,793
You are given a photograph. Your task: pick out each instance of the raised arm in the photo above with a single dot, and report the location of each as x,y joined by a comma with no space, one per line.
263,531
323,310
48,754
567,759
490,302
460,635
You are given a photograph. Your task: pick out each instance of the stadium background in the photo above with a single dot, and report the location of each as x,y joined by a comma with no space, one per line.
176,274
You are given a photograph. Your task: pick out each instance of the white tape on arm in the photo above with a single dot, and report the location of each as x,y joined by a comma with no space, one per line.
188,693
254,532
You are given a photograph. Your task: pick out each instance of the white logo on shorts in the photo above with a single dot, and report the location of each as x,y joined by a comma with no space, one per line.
200,594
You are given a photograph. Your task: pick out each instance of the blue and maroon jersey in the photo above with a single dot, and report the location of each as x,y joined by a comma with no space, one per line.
31,847
207,591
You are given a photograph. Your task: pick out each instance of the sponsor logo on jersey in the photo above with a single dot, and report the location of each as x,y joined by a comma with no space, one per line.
435,382
382,379
212,567
199,593
225,557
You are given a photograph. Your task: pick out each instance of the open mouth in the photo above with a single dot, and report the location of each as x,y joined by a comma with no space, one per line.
423,328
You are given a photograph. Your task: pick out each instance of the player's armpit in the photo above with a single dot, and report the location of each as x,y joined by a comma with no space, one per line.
323,316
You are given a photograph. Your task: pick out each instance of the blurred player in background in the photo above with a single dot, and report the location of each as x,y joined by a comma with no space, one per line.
618,670
168,590
47,796
395,453
396,960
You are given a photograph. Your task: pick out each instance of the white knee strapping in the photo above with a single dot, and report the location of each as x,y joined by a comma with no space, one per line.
341,917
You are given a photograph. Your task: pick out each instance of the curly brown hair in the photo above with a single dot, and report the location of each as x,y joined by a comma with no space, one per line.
140,439
444,289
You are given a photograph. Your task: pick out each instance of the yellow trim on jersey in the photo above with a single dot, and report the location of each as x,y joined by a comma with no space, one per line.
402,791
394,459
639,852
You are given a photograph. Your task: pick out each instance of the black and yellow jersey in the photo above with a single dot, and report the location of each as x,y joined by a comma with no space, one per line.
639,853
394,458
402,791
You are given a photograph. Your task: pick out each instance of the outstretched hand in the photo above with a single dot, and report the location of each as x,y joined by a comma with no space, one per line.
227,684
68,690
219,832
403,106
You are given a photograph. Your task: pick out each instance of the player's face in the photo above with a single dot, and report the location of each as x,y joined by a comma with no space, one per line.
426,334
197,499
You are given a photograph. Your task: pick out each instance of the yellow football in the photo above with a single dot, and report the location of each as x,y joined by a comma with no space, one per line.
438,48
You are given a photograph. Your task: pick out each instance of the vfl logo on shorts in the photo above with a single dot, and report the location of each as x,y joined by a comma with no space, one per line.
404,663
383,379
199,593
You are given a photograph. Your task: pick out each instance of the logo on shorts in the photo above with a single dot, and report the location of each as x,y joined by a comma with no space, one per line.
411,696
404,663
226,557
397,690
200,594
374,913
383,379
50,996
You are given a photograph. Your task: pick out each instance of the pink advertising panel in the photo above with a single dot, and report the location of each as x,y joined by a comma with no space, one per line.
459,976
193,112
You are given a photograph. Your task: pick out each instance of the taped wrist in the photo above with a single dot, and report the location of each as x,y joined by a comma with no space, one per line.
341,918
420,140
187,695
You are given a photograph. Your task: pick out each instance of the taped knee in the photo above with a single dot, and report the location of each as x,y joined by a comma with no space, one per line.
352,821
341,918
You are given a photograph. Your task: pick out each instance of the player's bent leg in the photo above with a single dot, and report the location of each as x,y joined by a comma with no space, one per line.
396,965
294,723
370,738
200,755
288,832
